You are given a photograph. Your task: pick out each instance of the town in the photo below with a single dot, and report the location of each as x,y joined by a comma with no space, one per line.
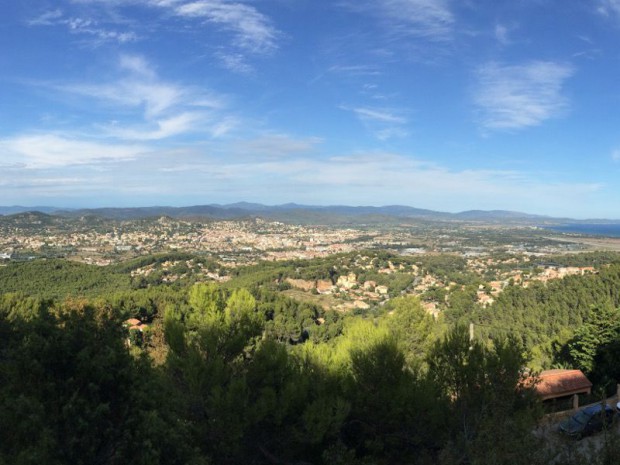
484,258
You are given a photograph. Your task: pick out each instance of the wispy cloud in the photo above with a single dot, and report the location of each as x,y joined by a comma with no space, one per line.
356,70
60,168
243,29
252,30
609,7
501,34
278,145
49,18
369,178
168,109
155,97
428,19
83,26
383,123
378,115
161,129
50,150
519,96
137,65
235,62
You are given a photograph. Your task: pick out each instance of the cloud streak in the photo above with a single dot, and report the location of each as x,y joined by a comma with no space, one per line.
383,123
83,26
167,109
609,7
520,96
252,30
248,30
369,178
378,115
50,150
427,19
163,129
271,173
278,145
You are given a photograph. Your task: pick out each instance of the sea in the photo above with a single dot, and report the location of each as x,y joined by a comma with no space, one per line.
595,229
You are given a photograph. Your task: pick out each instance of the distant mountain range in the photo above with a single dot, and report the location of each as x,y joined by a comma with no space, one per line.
18,209
306,214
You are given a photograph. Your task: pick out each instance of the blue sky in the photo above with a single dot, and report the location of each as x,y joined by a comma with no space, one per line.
442,104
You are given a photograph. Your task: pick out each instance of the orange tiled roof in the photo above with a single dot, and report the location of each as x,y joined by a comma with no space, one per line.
559,383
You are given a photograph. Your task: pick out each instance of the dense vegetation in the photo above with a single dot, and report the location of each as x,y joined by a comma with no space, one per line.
60,278
240,374
228,393
545,318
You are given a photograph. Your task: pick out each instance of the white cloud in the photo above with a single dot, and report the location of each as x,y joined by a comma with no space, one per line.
609,7
209,173
167,109
379,115
369,178
49,18
155,97
428,19
242,28
50,150
391,133
179,124
356,70
235,62
253,30
278,145
224,126
383,123
518,96
138,65
615,155
501,34
83,26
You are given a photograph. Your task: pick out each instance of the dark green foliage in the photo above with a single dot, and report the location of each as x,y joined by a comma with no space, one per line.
291,321
461,304
596,259
144,304
490,417
544,317
393,409
251,377
595,347
70,393
413,328
155,259
61,278
449,268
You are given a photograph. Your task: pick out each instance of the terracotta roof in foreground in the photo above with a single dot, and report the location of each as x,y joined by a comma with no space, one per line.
559,383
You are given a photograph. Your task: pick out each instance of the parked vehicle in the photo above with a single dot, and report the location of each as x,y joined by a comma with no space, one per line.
587,421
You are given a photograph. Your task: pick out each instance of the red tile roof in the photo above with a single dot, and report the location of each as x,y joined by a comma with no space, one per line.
560,383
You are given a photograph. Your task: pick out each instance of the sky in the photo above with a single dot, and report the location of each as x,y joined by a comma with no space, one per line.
448,105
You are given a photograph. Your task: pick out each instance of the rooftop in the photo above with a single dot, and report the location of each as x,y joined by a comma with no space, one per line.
562,383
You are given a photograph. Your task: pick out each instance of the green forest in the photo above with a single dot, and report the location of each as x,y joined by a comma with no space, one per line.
239,373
